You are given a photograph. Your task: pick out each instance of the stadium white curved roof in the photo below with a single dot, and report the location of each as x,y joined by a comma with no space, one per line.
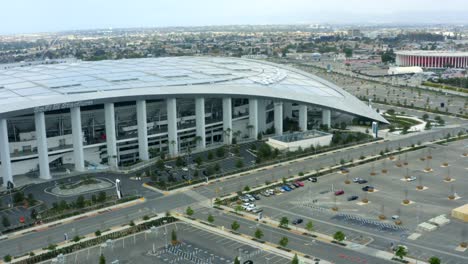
24,89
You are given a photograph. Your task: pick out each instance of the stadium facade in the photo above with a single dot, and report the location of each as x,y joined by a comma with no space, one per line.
432,59
92,115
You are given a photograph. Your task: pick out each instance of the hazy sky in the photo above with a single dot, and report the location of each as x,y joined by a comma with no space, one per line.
25,16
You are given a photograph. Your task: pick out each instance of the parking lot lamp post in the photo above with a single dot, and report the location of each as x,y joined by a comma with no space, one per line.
165,231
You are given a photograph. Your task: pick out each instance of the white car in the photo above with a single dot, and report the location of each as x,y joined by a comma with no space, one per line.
412,178
251,208
185,169
357,179
168,167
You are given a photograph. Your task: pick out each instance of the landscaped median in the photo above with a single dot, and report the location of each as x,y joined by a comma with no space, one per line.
75,217
99,237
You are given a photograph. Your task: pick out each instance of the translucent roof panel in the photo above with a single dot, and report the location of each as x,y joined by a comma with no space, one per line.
153,76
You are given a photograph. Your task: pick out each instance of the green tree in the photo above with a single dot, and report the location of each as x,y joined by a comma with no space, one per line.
237,261
339,236
63,205
258,233
235,226
220,152
309,226
210,218
239,163
238,208
210,155
102,259
246,188
295,259
284,241
5,221
179,162
348,52
7,258
284,222
198,160
160,164
189,211
401,252
173,235
217,167
98,233
102,197
80,202
428,125
434,260
18,197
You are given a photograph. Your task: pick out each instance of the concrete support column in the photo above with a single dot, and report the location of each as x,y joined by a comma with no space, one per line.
303,117
326,117
42,150
278,118
287,110
142,130
261,111
227,120
253,117
5,153
200,122
173,141
111,139
77,138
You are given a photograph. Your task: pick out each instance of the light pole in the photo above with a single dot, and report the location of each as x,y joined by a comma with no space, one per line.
165,231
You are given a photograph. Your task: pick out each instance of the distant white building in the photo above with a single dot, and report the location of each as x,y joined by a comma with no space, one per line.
404,70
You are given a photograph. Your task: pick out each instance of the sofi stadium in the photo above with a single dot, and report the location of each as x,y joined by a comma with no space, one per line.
104,114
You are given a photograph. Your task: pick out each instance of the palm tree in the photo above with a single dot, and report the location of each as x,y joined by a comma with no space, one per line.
173,142
197,140
250,127
237,134
227,134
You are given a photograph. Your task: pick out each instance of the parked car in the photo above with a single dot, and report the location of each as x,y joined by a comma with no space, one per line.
250,197
297,221
356,179
353,197
265,193
339,192
301,184
367,188
286,188
292,187
256,196
313,179
412,178
395,217
362,181
245,199
257,210
296,185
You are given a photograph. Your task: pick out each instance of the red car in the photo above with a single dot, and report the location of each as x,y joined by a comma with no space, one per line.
339,192
300,183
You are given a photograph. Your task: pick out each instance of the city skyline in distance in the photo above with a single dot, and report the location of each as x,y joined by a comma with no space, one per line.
53,15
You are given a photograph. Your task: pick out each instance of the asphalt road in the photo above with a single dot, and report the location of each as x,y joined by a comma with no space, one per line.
156,203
